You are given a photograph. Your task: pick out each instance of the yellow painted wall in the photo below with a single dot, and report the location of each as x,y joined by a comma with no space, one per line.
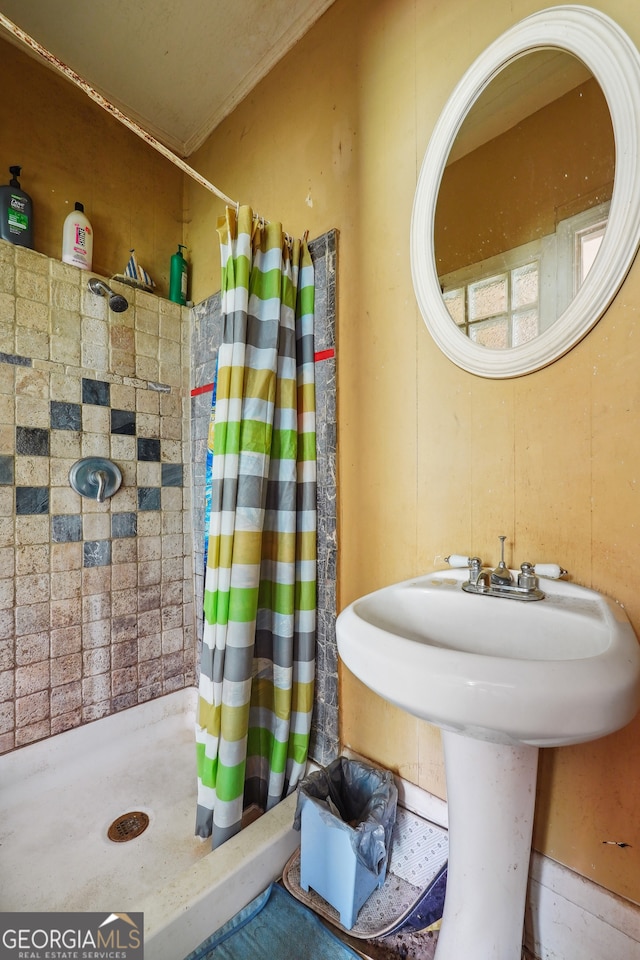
71,149
432,459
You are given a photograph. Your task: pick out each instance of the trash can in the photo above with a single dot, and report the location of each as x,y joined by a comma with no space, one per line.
345,814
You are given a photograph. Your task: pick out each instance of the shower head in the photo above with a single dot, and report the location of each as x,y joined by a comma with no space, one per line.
117,302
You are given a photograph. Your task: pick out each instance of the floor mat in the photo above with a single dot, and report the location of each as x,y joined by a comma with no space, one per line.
274,925
419,852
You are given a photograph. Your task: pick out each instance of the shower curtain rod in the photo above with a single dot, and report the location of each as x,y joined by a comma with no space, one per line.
75,78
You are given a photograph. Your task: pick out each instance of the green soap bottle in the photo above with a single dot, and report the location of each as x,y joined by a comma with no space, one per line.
178,277
16,212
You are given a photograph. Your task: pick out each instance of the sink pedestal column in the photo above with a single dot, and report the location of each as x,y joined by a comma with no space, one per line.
491,792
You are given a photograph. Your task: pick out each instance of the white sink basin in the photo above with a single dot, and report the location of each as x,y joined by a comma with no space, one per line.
501,678
556,671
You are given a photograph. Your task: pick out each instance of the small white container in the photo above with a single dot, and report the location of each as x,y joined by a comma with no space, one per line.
77,239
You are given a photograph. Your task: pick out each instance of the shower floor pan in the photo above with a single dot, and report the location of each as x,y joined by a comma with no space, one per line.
59,797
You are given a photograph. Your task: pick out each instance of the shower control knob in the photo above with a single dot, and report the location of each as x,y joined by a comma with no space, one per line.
95,477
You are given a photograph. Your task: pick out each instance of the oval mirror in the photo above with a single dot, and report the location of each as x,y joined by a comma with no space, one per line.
527,211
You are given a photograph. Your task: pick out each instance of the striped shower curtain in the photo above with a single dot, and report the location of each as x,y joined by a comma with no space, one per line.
258,654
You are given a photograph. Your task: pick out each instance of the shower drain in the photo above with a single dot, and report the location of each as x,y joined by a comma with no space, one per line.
128,826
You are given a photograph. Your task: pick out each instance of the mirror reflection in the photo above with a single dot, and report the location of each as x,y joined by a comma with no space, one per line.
523,202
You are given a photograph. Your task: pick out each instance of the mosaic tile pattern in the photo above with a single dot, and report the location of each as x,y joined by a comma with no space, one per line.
148,449
124,525
96,600
96,391
123,422
6,469
149,498
206,334
32,441
31,500
65,416
324,729
97,553
66,529
172,475
13,358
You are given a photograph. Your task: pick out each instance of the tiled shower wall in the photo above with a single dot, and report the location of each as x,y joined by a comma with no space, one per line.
96,600
206,336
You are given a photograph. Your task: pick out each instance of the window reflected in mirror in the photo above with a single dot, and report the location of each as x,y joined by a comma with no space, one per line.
523,203
510,299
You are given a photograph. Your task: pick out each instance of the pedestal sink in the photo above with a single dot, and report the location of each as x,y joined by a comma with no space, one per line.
501,679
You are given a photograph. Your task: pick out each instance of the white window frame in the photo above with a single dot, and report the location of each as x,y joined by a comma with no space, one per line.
568,268
541,250
558,257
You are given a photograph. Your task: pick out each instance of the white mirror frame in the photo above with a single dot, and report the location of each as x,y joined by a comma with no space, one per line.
613,59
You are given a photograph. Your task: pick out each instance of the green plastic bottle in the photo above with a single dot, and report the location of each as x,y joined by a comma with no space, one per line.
16,212
178,277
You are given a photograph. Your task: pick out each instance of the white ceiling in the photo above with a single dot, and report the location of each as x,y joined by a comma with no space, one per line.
176,67
524,86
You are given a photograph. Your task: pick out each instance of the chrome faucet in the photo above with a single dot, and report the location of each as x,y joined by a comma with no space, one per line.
500,582
501,576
